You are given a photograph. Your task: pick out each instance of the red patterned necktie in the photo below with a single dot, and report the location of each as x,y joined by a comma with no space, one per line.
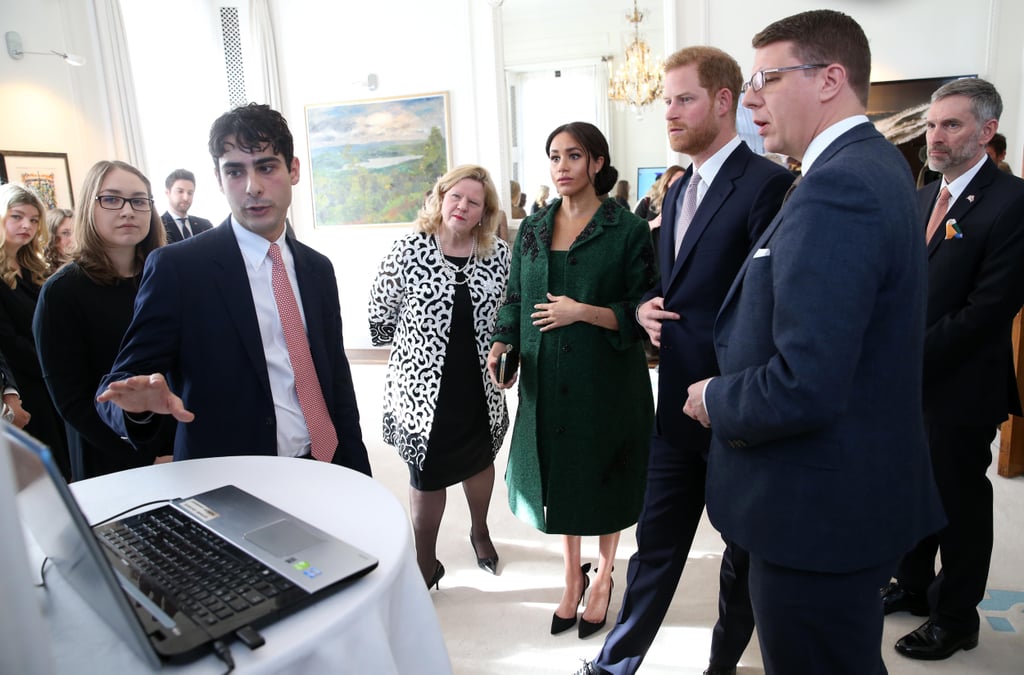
938,213
322,435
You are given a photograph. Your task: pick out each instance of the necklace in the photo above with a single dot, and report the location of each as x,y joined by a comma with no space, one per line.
459,275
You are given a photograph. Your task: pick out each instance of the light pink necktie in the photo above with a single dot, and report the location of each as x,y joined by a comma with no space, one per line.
688,209
938,213
322,435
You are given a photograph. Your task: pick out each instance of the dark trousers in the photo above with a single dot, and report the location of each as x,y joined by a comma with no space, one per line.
960,457
809,623
672,510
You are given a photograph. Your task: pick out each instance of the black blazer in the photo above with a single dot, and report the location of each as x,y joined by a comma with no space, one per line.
195,223
975,289
204,336
742,200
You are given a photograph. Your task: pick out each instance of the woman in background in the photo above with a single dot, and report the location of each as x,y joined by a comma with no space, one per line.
435,299
85,308
578,462
542,199
60,225
517,197
23,271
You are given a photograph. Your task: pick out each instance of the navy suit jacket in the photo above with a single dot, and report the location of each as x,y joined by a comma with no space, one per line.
818,458
195,223
975,289
195,321
738,206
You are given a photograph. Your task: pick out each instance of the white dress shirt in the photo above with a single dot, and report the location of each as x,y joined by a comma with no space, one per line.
292,434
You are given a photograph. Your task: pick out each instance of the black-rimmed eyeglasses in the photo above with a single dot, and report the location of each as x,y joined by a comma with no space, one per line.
115,203
756,81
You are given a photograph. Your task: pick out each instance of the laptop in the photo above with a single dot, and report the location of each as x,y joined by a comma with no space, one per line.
175,579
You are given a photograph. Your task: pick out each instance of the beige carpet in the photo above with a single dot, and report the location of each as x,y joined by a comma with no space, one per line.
501,624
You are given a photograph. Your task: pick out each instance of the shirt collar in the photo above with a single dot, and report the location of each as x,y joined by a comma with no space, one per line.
825,138
254,247
709,169
961,183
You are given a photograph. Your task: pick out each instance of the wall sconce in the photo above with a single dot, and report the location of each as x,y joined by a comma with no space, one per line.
15,51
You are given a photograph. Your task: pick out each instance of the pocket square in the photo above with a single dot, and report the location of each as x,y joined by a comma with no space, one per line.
762,253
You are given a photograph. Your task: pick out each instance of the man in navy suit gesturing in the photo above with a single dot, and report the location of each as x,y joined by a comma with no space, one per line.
237,333
734,194
818,464
975,232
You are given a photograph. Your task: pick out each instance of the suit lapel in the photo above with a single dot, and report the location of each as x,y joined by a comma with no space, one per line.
723,185
233,283
968,199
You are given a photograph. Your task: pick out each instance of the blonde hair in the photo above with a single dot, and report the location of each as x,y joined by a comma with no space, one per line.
54,219
429,218
542,196
660,187
90,250
30,256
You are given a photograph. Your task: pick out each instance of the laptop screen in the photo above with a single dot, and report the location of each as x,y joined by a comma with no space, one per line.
53,520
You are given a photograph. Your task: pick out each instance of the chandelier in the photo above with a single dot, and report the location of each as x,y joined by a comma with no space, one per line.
637,83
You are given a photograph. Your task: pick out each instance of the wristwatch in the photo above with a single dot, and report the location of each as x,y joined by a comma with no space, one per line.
8,414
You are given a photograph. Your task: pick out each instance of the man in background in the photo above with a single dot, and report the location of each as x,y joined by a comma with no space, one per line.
818,464
974,223
996,149
710,220
181,186
247,356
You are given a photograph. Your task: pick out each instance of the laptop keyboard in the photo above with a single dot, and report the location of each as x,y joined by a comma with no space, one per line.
210,579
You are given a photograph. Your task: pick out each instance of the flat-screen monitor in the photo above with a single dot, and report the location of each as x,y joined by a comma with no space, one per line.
645,177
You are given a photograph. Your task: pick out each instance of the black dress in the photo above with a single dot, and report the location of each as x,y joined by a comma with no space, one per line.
78,329
17,305
460,438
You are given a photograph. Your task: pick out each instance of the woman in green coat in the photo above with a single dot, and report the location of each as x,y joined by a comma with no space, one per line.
578,461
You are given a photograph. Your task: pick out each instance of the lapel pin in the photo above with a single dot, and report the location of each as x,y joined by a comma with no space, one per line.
970,198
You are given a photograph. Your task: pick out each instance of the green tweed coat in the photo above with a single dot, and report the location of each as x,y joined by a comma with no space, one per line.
584,391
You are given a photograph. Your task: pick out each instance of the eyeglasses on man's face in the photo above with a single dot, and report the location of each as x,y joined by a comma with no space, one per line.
756,81
115,203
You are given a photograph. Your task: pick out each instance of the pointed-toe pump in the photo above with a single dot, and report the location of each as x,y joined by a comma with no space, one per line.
435,581
588,628
487,564
560,625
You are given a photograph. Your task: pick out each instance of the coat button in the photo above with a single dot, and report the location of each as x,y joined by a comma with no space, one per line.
270,421
560,430
566,349
572,260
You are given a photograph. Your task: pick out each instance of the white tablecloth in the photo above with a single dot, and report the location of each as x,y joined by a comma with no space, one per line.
382,623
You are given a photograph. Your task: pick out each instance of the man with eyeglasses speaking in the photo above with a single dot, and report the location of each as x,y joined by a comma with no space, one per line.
818,465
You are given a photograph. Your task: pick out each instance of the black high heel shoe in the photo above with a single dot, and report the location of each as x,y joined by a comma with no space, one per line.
560,625
586,627
436,579
488,564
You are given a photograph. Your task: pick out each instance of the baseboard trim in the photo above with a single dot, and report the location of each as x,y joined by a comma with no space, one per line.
379,355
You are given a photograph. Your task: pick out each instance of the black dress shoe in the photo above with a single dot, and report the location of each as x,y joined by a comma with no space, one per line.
932,642
720,671
896,598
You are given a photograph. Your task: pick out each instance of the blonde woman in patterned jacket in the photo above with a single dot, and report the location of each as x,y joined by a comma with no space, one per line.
435,300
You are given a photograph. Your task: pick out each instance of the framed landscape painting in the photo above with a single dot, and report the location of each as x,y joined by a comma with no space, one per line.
45,173
372,161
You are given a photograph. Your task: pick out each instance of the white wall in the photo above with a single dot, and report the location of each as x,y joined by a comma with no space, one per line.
327,47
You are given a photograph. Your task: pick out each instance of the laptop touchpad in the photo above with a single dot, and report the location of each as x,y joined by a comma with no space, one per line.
283,537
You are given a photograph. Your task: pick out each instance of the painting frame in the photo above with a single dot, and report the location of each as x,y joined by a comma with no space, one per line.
48,174
372,160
